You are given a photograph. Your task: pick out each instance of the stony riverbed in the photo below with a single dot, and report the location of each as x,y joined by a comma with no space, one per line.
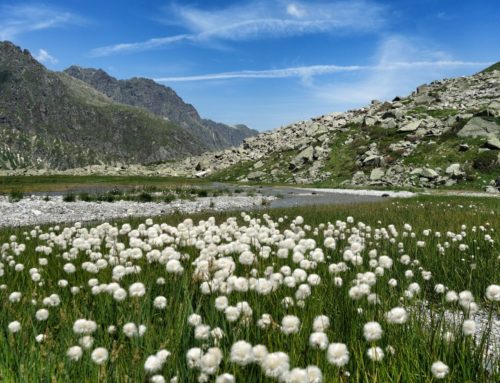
36,210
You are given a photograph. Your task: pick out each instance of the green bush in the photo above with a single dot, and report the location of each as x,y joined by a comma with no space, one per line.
169,198
202,193
16,195
107,197
84,197
115,191
486,161
70,197
145,197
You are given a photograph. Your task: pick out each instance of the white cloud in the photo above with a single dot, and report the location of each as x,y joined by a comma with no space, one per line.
400,64
302,72
260,19
381,71
294,10
18,19
145,45
44,57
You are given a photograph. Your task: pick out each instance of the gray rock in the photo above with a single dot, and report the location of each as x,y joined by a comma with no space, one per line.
429,173
478,127
373,160
455,171
423,99
204,164
390,123
377,174
359,177
463,147
494,108
258,165
492,143
256,176
410,127
305,156
398,169
370,121
492,189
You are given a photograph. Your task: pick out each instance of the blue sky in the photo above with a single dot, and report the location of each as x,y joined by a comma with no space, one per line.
265,63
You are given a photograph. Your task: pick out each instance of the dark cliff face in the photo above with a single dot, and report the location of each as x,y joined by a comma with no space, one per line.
163,102
50,119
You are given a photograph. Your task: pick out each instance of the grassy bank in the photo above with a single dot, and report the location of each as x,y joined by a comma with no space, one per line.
61,183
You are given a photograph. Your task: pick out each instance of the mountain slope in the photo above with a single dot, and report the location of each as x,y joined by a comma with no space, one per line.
163,102
444,133
53,120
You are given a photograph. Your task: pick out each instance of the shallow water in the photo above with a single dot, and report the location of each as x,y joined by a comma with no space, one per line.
286,196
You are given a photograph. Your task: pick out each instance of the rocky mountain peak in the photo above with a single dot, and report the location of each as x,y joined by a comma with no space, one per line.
164,102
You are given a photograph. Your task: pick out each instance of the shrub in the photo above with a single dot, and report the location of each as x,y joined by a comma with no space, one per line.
84,197
169,197
202,193
107,197
145,197
486,161
16,195
115,191
70,197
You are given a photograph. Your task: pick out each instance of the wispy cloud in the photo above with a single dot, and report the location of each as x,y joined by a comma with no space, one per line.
18,19
45,57
145,45
259,19
306,72
399,65
302,72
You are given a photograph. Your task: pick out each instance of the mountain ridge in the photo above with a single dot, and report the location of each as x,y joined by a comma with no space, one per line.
162,101
52,120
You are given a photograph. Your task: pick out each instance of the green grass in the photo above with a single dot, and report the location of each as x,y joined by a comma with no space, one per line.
491,68
436,113
63,183
15,195
418,344
232,173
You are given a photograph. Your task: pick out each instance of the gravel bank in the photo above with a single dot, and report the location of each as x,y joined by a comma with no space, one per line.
35,210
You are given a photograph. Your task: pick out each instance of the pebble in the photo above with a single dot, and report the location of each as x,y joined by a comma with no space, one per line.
35,210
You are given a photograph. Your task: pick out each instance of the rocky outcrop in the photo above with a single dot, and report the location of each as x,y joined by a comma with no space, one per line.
479,127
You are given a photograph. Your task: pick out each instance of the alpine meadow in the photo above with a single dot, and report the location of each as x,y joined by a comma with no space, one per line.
340,225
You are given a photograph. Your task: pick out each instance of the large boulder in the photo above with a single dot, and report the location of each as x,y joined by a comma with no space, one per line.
492,143
358,178
204,164
304,157
373,160
424,99
455,171
377,174
494,108
429,173
256,176
479,127
410,127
